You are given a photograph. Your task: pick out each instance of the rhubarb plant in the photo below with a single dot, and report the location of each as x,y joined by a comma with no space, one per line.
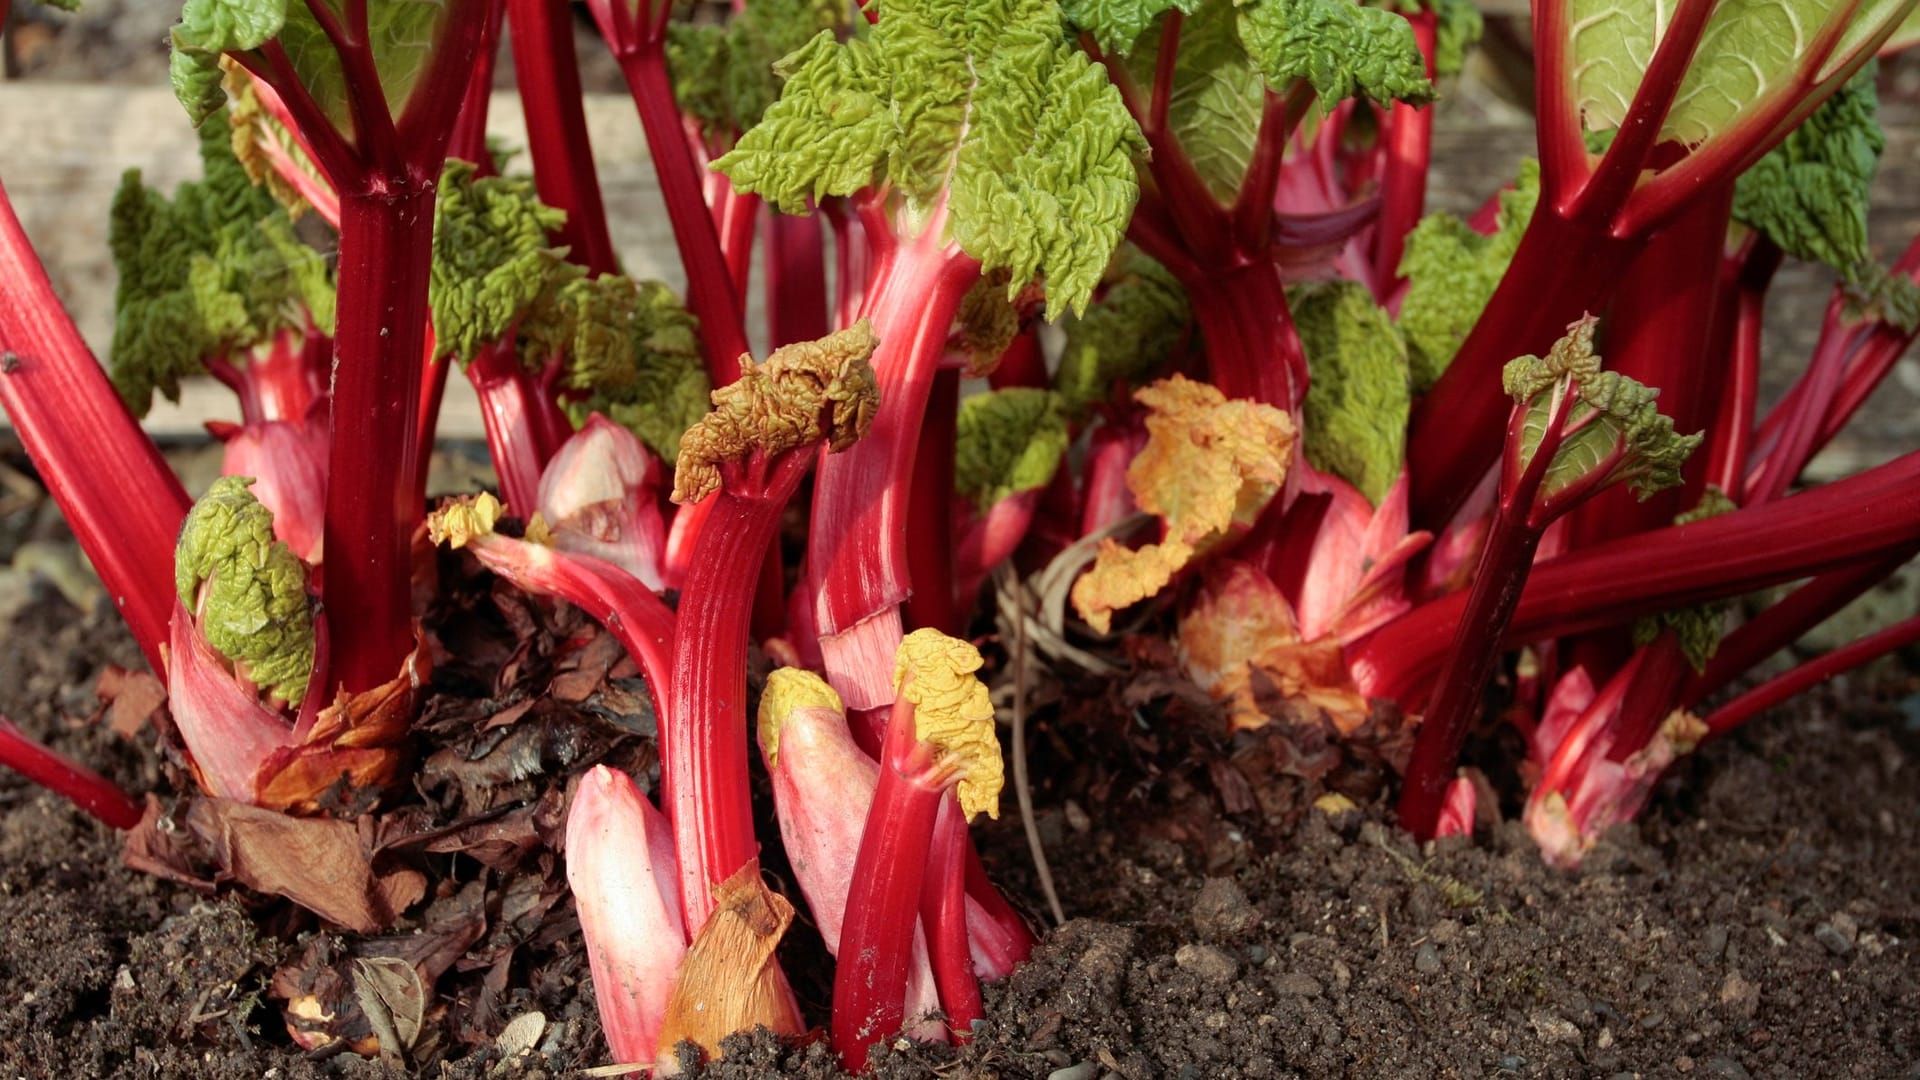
1270,430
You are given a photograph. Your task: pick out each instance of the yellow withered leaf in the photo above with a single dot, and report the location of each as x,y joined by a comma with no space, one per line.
1210,465
952,710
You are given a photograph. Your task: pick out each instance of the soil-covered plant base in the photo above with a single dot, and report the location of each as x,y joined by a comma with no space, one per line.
1758,921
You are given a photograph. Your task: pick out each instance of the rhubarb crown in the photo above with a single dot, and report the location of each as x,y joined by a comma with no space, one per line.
246,590
953,712
806,393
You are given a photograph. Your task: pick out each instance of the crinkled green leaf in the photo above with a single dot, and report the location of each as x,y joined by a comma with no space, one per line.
1750,50
723,74
1008,441
1118,24
630,350
247,591
491,258
1613,431
1697,628
1456,31
210,273
1124,337
208,28
981,104
1810,194
1214,109
1875,293
1358,397
1343,49
1458,25
1451,273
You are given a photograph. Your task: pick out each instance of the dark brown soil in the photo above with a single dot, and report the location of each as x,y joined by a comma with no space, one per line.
1758,922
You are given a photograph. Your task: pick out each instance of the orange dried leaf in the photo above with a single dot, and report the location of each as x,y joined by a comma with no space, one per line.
730,980
1239,638
360,736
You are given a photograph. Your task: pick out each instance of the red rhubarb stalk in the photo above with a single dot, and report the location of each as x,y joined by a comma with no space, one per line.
749,455
109,480
548,72
940,740
1871,513
1572,431
1811,674
101,798
638,37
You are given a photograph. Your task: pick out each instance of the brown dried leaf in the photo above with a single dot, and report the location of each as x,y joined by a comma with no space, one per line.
730,980
160,847
322,864
360,737
131,698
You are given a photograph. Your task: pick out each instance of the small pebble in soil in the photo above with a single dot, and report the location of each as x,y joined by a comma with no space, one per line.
1426,960
1082,1071
1724,1068
1838,934
1713,943
1297,983
1740,996
1209,963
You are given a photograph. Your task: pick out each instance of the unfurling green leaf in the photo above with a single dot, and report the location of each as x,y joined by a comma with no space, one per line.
1696,628
1134,327
1008,441
1809,195
1343,49
1451,273
208,274
630,349
980,106
1117,24
1357,398
1611,433
491,258
1456,32
1876,293
208,28
246,591
1458,26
